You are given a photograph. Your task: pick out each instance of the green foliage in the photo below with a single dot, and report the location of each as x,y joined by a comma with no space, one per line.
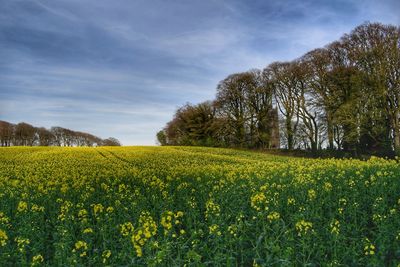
162,138
344,97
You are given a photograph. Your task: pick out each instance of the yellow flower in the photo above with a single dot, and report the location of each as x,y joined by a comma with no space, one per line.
64,209
169,219
166,220
377,217
4,219
22,206
126,228
21,242
82,215
81,247
105,187
273,216
232,229
147,229
312,194
212,208
139,251
88,231
109,209
335,227
37,259
36,208
214,230
291,201
342,202
369,248
3,238
303,227
327,186
105,255
259,201
97,209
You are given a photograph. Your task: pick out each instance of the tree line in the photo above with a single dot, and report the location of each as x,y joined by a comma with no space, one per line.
343,97
24,134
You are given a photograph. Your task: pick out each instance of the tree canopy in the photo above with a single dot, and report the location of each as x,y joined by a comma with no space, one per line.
342,97
24,134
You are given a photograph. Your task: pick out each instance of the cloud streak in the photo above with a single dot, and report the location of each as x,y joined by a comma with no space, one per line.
121,68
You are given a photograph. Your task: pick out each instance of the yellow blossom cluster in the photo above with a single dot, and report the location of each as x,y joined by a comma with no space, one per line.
273,216
171,220
64,209
147,229
21,243
97,209
126,229
303,227
212,209
291,201
106,255
88,231
3,238
214,230
335,227
369,248
37,260
4,219
312,194
81,248
83,215
37,208
233,230
259,201
22,206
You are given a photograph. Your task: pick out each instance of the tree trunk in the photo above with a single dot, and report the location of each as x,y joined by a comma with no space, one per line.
289,133
396,134
329,125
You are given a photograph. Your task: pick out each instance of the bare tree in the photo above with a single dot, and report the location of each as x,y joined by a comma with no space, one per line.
24,134
111,141
6,133
44,137
259,96
318,64
231,94
282,78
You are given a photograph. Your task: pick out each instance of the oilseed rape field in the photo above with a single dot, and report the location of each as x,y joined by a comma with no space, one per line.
181,206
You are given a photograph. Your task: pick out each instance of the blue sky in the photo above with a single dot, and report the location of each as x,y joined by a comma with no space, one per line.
121,68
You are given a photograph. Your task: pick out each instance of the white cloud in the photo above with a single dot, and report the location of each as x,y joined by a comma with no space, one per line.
122,68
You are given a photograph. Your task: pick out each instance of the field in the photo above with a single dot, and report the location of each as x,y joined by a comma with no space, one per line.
176,206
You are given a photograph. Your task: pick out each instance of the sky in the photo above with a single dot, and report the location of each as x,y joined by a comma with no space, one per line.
121,68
